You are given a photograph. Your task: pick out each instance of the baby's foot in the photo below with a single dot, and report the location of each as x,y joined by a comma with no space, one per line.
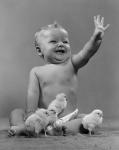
68,117
17,130
12,131
50,130
54,131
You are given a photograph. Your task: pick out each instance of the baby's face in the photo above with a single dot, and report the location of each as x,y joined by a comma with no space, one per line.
54,45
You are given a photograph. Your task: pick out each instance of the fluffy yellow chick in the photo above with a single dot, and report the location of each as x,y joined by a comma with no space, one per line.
93,120
39,120
59,104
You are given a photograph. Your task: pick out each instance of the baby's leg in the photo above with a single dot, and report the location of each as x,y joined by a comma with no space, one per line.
72,127
75,126
68,117
69,127
16,120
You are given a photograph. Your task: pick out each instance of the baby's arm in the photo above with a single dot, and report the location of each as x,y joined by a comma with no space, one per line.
18,115
91,47
33,93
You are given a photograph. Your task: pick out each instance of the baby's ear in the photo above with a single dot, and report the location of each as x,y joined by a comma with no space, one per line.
39,51
38,48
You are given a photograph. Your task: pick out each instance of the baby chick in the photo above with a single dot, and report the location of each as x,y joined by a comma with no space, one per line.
39,120
93,120
59,104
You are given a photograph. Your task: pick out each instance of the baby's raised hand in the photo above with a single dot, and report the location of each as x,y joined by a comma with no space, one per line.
99,25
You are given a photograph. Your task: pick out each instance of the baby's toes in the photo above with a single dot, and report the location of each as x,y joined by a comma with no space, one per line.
11,132
49,130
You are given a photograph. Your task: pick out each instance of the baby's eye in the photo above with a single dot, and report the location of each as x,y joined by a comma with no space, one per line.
53,41
65,42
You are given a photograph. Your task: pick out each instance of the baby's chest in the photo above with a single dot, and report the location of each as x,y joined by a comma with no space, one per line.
60,76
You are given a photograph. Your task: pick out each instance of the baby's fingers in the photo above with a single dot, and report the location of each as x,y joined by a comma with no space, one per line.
95,20
98,18
102,21
105,28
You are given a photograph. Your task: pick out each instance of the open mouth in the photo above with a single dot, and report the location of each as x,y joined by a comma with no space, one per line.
60,51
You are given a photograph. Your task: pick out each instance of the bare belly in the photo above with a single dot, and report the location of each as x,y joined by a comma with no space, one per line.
49,93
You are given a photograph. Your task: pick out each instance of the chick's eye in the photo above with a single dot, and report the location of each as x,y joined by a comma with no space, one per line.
46,113
53,111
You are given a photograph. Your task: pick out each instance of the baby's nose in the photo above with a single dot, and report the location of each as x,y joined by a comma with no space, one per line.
60,44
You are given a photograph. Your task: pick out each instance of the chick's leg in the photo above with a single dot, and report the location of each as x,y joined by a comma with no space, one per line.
38,127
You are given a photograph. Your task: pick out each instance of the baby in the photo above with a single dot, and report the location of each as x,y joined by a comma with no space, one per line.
60,72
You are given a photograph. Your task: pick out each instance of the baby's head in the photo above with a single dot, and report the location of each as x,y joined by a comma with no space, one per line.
52,44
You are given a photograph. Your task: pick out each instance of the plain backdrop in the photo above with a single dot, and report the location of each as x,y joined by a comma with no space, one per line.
98,80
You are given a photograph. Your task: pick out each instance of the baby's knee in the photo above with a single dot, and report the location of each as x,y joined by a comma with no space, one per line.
18,111
17,116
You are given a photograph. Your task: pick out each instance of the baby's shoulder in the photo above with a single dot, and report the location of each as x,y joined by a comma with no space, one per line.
35,69
39,71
